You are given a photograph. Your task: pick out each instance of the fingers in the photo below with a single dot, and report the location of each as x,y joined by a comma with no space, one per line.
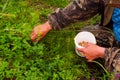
87,56
33,36
80,49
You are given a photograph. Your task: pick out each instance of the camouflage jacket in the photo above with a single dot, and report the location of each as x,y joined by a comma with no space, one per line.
81,10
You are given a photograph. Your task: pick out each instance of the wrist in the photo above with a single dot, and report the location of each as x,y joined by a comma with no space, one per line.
101,52
48,26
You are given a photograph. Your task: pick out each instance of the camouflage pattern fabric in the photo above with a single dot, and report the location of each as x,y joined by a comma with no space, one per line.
81,10
112,59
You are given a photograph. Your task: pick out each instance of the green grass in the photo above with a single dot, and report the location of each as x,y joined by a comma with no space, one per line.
53,58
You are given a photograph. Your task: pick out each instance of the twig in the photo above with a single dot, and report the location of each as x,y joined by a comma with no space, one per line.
5,5
8,15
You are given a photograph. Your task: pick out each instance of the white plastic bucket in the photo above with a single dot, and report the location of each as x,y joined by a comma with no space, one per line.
83,36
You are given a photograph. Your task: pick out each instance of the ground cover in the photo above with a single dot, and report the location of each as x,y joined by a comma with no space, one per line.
53,58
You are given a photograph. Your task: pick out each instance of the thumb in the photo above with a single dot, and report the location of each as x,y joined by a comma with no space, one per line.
33,36
80,49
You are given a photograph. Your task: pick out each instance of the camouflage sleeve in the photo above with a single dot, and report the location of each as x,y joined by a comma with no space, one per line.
79,10
112,59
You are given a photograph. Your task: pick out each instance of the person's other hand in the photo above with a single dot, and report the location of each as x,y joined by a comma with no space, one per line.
92,51
40,31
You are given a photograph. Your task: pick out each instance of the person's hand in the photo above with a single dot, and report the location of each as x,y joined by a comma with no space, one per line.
92,51
40,31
